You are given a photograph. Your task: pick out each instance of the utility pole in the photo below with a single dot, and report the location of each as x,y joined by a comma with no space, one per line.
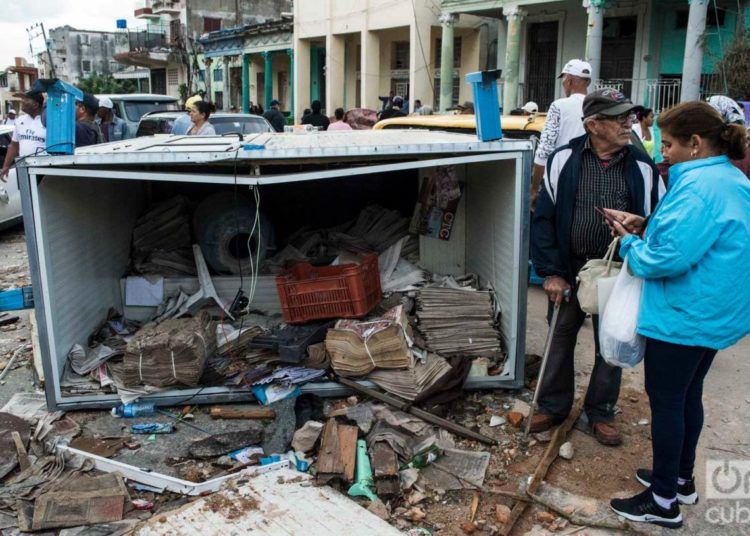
692,64
34,31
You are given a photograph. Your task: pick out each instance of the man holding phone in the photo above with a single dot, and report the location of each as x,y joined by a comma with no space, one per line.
594,172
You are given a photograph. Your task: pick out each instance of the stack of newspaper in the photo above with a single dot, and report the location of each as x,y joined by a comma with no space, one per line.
413,381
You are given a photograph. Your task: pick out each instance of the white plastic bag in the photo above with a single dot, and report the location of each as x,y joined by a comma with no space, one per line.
619,342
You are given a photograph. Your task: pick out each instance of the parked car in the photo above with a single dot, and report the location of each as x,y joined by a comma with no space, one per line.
131,107
224,123
10,198
514,126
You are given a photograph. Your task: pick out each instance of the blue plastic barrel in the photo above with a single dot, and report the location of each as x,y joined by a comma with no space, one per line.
486,104
61,117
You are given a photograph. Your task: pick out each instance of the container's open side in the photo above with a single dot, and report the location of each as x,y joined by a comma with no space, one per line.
81,235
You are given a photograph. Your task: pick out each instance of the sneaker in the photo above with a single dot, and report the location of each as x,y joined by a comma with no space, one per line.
643,508
686,493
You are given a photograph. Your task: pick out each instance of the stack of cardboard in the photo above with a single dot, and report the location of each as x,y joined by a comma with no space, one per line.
457,321
170,353
161,239
358,347
412,382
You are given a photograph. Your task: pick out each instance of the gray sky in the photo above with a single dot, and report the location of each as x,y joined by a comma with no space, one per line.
17,15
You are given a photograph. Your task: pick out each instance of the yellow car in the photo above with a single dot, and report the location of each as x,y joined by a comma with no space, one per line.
514,126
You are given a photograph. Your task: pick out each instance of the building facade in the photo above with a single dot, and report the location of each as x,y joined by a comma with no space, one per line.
249,64
78,54
17,78
637,46
350,53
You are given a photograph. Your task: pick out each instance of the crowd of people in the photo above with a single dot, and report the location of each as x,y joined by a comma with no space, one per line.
684,229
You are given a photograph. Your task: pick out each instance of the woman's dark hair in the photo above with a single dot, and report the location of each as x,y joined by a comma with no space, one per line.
339,113
643,113
701,119
205,108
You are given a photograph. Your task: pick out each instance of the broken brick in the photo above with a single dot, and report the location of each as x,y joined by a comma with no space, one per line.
468,527
502,513
515,418
545,517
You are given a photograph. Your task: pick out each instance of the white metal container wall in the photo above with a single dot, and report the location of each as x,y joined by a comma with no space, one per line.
81,237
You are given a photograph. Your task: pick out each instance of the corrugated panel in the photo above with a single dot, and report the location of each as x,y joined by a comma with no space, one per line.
493,235
447,257
85,232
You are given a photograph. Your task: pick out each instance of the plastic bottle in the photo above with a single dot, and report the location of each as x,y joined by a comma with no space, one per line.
143,409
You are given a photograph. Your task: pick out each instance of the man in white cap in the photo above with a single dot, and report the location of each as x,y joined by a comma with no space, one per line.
110,125
563,121
10,119
530,108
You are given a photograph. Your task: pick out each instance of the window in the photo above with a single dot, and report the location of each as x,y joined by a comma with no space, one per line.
454,97
218,75
400,58
456,52
172,77
283,85
211,25
175,29
202,75
86,66
219,100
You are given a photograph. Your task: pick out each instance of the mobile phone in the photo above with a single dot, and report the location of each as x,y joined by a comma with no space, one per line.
610,219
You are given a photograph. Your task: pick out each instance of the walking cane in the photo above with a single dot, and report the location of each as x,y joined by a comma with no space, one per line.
547,346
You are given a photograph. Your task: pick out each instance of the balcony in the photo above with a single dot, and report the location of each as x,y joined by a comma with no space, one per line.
145,13
166,7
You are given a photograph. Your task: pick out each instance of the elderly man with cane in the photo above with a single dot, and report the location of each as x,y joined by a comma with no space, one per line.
595,171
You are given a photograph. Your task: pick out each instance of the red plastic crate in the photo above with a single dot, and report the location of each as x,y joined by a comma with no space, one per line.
310,292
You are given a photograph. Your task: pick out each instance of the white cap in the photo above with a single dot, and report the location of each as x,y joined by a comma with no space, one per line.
530,107
579,68
12,111
106,102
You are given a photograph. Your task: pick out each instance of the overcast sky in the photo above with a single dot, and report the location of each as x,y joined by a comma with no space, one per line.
17,15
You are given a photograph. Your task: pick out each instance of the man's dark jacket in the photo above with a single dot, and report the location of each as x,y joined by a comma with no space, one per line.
553,217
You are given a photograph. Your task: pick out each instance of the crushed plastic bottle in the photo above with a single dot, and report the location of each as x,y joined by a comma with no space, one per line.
143,409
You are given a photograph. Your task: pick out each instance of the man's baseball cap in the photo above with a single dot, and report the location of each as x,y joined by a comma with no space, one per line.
607,101
11,111
106,102
274,103
90,102
530,107
579,68
31,94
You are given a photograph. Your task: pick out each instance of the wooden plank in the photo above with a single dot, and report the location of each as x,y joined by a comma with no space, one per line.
384,461
23,457
36,351
278,503
348,446
330,465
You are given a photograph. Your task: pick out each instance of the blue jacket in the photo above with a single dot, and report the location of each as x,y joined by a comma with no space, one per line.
553,218
693,257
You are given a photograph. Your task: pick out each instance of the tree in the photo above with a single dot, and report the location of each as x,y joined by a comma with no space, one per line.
735,66
97,83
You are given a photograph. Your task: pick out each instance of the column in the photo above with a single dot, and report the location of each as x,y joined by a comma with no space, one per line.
227,86
268,78
370,70
446,61
594,35
209,78
692,63
290,53
301,76
246,83
514,15
420,68
335,51
502,41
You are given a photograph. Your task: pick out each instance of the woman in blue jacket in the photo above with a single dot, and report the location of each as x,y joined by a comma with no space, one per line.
696,294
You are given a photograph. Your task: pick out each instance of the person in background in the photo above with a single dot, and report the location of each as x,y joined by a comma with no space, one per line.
425,110
695,298
530,108
275,117
417,105
305,113
394,110
316,118
110,125
199,115
598,169
87,130
10,119
467,108
644,129
339,123
29,134
234,110
733,113
256,109
563,122
183,123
